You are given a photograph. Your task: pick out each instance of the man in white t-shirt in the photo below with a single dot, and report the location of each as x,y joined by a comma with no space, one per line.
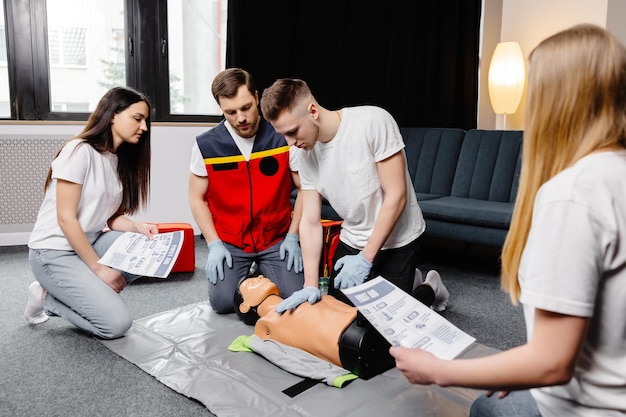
355,158
239,193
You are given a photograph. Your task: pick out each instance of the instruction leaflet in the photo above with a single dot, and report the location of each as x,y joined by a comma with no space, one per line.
137,254
404,321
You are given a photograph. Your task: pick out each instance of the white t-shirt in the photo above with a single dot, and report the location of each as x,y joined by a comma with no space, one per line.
244,144
344,171
101,194
574,263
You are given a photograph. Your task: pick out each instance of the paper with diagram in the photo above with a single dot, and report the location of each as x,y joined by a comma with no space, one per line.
404,321
137,254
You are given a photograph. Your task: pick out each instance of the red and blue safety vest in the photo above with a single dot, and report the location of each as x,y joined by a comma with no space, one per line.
249,200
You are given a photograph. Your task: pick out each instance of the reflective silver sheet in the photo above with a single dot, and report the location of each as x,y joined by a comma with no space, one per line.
186,349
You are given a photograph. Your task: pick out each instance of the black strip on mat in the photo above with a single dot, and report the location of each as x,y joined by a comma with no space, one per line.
300,387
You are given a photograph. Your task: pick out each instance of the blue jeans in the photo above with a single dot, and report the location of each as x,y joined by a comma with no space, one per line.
222,294
515,404
75,293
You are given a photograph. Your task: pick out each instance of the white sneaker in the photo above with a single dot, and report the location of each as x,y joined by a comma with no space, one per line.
417,280
442,296
34,313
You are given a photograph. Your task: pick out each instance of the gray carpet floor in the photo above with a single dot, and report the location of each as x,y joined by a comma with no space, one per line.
53,369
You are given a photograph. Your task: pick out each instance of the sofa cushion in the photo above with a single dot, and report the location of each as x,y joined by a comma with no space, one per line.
426,196
489,165
491,214
432,155
466,233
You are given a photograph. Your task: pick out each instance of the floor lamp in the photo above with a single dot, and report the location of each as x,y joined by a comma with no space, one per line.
507,75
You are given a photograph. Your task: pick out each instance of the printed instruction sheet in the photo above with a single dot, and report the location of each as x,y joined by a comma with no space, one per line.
137,254
404,321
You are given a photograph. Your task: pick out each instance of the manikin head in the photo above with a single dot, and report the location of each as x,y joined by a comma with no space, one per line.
251,293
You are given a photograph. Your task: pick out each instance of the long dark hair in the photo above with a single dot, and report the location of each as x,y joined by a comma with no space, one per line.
133,160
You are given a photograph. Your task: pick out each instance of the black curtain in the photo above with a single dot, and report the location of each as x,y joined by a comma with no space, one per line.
418,59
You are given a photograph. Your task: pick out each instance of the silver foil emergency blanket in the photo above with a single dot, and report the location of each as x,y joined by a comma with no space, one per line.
187,349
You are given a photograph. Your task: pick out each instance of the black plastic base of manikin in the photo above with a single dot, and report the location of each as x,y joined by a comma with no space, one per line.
363,351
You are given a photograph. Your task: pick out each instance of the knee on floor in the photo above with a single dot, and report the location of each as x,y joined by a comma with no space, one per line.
115,326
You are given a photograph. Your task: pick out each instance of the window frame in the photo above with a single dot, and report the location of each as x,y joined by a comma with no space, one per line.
147,68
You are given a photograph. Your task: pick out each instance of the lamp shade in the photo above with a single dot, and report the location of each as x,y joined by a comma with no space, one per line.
507,75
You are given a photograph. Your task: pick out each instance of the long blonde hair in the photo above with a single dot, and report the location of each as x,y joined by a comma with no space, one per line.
576,105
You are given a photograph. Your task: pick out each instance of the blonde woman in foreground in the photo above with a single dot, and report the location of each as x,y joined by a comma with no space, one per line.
564,259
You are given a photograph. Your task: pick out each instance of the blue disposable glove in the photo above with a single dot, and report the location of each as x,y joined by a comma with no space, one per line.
291,246
215,262
354,270
310,294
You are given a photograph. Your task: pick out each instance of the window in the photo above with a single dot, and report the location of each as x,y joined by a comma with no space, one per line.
197,49
66,55
71,107
3,42
5,108
89,56
67,47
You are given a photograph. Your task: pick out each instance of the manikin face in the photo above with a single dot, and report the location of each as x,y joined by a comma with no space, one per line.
130,124
242,112
255,290
298,127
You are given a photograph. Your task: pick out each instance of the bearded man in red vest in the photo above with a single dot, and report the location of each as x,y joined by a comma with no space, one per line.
239,193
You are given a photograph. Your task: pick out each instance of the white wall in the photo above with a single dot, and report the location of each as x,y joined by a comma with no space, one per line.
491,23
615,19
171,150
530,21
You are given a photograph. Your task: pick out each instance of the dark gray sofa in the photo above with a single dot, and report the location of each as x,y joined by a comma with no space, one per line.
465,181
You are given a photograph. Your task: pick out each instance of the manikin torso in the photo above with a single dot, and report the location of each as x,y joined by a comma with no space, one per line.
315,328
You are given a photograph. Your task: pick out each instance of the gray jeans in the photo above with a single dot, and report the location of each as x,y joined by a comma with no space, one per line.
515,404
222,294
75,293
